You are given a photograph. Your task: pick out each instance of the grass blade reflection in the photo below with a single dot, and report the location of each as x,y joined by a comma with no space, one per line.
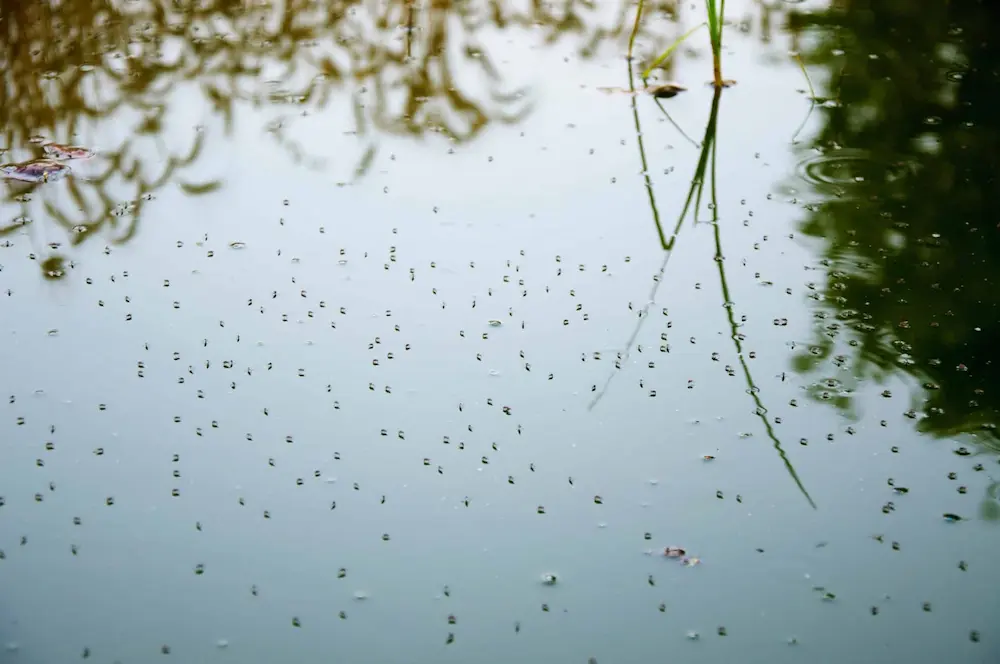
667,244
752,390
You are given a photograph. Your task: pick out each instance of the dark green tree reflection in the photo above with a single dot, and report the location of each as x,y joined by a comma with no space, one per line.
908,164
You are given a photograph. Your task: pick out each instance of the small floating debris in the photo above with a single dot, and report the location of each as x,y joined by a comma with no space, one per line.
690,562
665,90
35,170
66,152
494,323
693,635
661,91
549,579
237,245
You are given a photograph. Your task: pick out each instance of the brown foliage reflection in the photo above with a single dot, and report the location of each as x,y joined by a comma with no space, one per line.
67,66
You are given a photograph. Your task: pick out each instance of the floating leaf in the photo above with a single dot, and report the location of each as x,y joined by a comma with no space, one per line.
35,170
67,152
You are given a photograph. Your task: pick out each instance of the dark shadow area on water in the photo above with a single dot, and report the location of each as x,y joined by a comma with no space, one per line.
905,197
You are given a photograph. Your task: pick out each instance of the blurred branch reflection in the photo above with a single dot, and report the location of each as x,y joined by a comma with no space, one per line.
75,69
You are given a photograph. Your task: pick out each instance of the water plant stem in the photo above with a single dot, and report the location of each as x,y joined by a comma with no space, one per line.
715,10
716,19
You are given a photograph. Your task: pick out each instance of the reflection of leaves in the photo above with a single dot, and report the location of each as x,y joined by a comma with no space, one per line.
366,162
912,250
121,164
311,49
199,189
221,103
13,226
989,508
67,67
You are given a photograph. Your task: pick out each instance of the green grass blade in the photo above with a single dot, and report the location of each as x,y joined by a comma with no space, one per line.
802,66
713,19
720,19
642,158
635,30
670,49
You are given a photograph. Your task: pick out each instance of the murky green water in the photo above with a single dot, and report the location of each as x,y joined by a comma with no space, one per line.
365,317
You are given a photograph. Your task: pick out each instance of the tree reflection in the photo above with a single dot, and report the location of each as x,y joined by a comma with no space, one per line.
911,150
71,66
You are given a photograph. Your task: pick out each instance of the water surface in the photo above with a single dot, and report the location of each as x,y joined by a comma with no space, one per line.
364,317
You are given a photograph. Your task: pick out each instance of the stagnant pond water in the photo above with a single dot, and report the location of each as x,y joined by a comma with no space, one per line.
404,333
